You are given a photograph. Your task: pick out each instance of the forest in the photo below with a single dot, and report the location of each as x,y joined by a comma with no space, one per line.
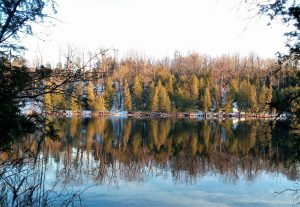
183,83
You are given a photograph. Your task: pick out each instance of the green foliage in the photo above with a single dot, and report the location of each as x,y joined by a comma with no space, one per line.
163,99
13,124
90,95
99,103
169,86
206,100
155,100
159,98
264,99
76,98
201,83
127,97
150,96
95,102
287,99
74,105
58,101
47,102
252,103
246,97
287,12
195,88
215,96
17,17
233,89
109,93
137,92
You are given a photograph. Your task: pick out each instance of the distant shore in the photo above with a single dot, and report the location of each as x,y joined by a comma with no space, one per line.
143,114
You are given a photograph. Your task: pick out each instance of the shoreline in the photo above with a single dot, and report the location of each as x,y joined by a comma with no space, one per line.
178,115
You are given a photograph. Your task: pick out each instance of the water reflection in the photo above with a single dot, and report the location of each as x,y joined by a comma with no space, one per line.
113,151
191,147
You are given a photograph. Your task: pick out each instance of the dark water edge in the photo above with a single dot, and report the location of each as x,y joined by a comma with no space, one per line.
156,162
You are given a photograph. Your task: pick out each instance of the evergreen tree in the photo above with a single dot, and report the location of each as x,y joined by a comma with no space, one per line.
169,87
159,84
76,98
127,97
206,100
164,100
137,91
231,92
262,99
215,96
109,93
252,103
47,102
227,105
233,89
58,101
269,97
99,103
90,95
241,96
201,83
195,88
246,97
74,105
155,99
149,96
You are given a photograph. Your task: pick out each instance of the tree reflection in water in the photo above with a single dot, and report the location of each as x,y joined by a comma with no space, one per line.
105,151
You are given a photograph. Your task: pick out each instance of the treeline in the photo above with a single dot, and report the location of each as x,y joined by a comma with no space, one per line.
184,83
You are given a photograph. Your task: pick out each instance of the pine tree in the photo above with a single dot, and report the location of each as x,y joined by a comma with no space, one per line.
227,105
169,87
74,105
233,89
109,93
137,91
201,83
269,95
164,100
231,93
262,99
76,98
99,103
195,88
206,102
47,102
149,96
246,97
252,103
154,100
159,84
127,97
58,101
90,95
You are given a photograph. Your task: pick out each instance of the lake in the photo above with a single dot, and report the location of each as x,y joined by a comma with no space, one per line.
153,162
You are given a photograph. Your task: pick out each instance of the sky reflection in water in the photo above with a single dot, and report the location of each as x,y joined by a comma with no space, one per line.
129,162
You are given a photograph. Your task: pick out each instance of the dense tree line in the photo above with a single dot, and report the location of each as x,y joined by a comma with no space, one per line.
184,83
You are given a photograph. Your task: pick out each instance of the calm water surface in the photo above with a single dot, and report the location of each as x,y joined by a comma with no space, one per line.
168,162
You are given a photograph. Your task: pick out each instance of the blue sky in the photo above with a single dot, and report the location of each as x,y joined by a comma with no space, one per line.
156,28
